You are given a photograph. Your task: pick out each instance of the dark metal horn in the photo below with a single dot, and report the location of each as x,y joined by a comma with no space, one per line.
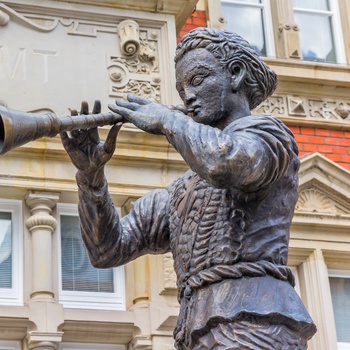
18,128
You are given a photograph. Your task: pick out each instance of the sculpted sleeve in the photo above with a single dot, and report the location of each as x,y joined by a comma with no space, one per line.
111,241
251,153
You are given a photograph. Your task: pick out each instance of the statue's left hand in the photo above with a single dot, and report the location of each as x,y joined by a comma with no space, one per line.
85,149
145,114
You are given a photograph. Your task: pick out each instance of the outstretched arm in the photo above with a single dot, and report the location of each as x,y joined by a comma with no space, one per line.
251,153
109,240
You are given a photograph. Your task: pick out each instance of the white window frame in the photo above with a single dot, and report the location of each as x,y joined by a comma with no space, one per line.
267,22
84,346
88,300
14,295
341,274
336,26
10,345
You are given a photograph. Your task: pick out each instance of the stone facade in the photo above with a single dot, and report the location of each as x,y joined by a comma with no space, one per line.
54,54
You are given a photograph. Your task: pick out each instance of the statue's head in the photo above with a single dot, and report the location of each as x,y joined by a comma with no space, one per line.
235,54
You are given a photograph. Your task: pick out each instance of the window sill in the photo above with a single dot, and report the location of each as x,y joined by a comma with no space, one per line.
310,72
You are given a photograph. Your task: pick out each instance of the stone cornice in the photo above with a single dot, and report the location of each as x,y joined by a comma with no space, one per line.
180,9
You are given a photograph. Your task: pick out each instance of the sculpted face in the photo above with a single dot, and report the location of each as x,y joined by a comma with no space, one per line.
204,87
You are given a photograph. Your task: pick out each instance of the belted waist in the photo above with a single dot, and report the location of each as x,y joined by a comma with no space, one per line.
218,273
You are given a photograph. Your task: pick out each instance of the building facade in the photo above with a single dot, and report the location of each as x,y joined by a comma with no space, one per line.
53,55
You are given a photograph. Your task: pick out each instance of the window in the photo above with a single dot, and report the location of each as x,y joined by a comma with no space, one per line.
340,290
10,345
320,32
11,238
252,20
77,346
82,285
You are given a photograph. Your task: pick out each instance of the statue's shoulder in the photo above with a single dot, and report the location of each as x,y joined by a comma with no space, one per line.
256,121
260,123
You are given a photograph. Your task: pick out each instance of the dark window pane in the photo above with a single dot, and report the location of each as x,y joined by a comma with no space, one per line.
340,290
316,37
251,1
5,250
247,22
322,5
77,272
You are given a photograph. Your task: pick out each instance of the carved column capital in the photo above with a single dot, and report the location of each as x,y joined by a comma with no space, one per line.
41,204
141,342
44,340
41,224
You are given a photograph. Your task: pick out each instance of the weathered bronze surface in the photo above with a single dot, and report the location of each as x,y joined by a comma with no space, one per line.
18,128
227,220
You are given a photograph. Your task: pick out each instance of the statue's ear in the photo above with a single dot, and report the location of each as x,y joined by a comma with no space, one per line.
239,72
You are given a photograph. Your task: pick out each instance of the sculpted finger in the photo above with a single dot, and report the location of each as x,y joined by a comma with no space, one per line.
109,145
97,107
73,112
75,133
84,108
93,134
138,100
129,105
65,139
124,112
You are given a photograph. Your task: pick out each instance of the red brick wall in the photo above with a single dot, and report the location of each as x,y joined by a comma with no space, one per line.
334,144
196,20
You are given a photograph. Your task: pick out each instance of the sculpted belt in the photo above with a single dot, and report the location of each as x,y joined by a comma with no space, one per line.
216,274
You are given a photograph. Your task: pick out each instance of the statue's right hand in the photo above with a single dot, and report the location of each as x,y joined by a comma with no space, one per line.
85,149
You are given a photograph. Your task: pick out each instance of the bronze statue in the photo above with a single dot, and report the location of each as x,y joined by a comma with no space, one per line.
227,220
17,127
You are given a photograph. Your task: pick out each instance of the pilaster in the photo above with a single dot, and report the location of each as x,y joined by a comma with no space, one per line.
286,31
41,224
316,295
44,311
344,10
214,14
142,339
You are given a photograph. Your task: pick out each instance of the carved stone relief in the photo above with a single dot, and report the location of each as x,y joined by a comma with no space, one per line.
313,200
43,23
169,272
318,199
317,109
137,73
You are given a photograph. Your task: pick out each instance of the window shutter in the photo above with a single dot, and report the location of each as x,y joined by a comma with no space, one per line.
77,272
340,290
5,250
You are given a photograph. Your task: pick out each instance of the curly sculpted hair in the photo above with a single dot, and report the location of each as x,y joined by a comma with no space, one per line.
230,48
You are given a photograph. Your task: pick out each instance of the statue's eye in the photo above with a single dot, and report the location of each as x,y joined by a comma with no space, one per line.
182,94
197,80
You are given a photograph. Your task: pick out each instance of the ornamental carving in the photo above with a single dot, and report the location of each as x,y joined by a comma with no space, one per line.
169,273
307,108
137,73
318,201
312,200
43,23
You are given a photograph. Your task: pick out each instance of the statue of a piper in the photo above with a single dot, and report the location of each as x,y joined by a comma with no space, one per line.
227,220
